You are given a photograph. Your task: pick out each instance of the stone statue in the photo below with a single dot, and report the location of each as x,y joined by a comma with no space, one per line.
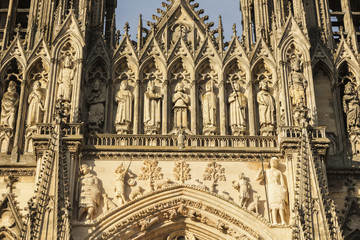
298,84
209,104
243,187
124,99
351,107
237,110
36,107
266,109
276,188
90,193
181,102
96,101
66,79
120,183
152,109
9,104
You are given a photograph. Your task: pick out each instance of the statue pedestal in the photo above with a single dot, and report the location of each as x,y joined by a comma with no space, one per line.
209,130
151,130
238,131
30,132
123,128
6,135
267,130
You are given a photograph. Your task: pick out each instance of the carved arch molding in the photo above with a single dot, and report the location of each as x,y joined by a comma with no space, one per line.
184,213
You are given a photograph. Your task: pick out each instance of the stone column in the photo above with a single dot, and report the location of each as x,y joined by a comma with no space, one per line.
50,93
222,105
136,107
20,115
251,109
165,113
76,93
193,113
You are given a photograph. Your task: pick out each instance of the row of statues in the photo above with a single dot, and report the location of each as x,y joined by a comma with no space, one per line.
277,194
181,107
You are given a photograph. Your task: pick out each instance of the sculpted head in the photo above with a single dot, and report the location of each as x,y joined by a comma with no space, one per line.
36,86
124,85
263,84
151,86
179,87
209,86
348,88
274,162
241,176
96,86
295,64
84,169
237,86
12,86
67,62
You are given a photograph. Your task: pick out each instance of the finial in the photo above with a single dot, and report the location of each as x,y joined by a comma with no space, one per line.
220,22
290,8
234,29
127,27
341,31
117,37
18,29
152,26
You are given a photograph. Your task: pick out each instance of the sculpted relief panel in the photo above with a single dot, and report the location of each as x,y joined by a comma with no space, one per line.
256,192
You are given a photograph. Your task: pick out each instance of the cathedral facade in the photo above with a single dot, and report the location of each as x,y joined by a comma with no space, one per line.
175,134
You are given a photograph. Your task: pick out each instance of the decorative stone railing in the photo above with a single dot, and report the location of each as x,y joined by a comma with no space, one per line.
296,132
188,141
286,134
69,130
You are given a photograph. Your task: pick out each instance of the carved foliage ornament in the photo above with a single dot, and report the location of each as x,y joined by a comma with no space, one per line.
151,172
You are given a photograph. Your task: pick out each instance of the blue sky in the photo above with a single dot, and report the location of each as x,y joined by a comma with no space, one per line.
129,10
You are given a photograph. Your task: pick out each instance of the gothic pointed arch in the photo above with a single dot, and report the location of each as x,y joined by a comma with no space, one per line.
328,103
11,223
15,50
126,48
262,52
345,54
235,50
184,207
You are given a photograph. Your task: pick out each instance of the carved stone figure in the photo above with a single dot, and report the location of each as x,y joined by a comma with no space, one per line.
90,193
120,184
237,111
96,101
266,109
181,102
298,84
9,104
209,103
124,99
254,206
36,106
243,187
152,109
277,190
351,107
66,79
